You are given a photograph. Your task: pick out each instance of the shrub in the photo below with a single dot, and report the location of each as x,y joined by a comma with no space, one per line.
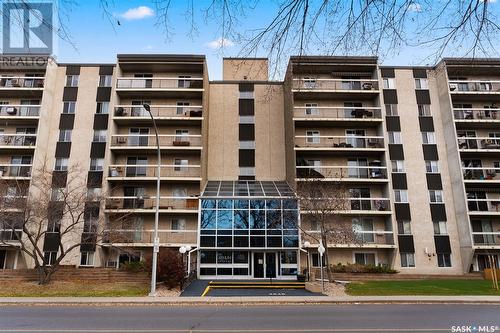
170,268
358,268
133,266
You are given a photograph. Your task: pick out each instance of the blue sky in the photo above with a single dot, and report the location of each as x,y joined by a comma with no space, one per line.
97,40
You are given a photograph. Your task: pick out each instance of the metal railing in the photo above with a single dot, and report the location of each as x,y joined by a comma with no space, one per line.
481,86
341,142
486,238
15,170
19,140
480,173
366,237
476,114
336,84
13,82
146,170
483,205
172,111
159,83
148,203
358,172
12,110
471,143
147,236
166,140
328,112
361,204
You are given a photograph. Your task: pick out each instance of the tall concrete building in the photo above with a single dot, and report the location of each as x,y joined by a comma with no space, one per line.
417,148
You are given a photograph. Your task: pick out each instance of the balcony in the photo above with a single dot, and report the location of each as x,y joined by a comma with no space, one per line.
484,176
480,207
16,142
147,204
159,86
363,206
146,237
373,239
343,173
15,171
486,240
354,144
137,114
12,111
479,145
15,86
342,88
129,142
475,90
127,172
476,118
323,115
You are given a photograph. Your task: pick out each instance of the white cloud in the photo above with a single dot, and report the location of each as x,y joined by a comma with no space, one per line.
219,43
138,13
415,7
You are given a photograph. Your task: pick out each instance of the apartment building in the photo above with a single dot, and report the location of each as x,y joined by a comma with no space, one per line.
416,148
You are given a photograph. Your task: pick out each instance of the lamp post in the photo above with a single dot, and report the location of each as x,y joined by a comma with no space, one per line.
321,251
307,244
156,241
186,249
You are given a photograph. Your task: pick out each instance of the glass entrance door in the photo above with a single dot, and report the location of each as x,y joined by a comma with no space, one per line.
264,264
271,265
258,264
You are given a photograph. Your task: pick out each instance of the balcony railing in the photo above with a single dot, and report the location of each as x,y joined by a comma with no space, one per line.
475,143
483,205
18,140
341,113
480,173
476,114
486,238
365,238
480,86
15,82
167,111
159,83
339,142
147,236
149,203
342,172
146,170
166,140
364,85
19,110
15,170
361,204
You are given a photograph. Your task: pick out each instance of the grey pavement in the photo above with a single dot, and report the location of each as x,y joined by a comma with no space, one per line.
244,319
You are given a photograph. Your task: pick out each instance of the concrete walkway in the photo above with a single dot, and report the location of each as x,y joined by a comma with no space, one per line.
12,301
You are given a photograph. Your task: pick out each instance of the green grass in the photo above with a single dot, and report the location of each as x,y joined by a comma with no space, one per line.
72,289
422,287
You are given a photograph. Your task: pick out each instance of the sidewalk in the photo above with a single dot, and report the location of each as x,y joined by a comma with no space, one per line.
289,300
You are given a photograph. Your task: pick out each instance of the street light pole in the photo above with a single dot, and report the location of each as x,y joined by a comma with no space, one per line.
156,244
321,250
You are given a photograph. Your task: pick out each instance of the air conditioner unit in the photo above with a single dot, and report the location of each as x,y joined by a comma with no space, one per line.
11,110
120,111
453,86
122,139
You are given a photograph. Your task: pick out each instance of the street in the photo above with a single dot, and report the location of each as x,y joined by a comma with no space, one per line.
262,319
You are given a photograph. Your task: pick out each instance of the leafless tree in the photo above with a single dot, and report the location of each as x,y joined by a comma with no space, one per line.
46,210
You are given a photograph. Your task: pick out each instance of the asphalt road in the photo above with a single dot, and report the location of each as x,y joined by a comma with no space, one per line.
238,319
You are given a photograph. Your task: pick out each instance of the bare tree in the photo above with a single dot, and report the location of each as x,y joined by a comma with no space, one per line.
50,210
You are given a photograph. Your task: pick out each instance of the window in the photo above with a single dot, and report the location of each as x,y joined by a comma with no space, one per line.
102,107
69,107
394,137
365,259
57,194
181,108
178,224
363,228
495,135
440,228
398,166
407,259
182,82
54,226
87,258
315,260
428,138
436,196
309,82
496,166
50,257
432,166
424,110
389,83
100,135
93,193
312,137
72,80
181,135
404,228
65,135
312,109
105,80
61,164
96,164
316,164
179,192
180,164
444,259
421,84
401,196
391,109
246,94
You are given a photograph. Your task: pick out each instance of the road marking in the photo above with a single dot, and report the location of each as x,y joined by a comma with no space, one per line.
285,330
207,289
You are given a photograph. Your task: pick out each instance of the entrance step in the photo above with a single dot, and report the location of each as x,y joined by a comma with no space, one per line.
257,284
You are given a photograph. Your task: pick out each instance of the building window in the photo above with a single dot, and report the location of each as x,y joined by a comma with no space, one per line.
315,260
401,196
61,164
50,257
444,259
365,259
404,228
184,81
363,228
246,94
72,80
87,259
312,137
179,192
94,193
407,259
65,135
69,107
105,80
424,110
394,137
96,164
178,224
398,166
181,135
180,164
432,166
389,83
496,166
428,138
54,226
440,228
312,109
57,194
421,84
391,109
436,196
495,135
102,108
309,82
100,135
181,108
